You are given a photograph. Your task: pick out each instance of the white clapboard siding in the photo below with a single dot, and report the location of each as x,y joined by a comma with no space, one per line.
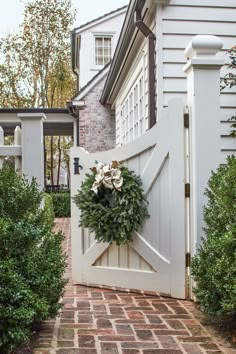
176,71
179,22
228,143
196,13
228,100
205,3
227,113
176,42
189,27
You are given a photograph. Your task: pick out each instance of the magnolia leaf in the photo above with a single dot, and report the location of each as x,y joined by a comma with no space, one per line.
117,209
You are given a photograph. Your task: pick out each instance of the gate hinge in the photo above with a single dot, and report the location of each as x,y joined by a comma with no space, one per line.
188,260
187,190
186,120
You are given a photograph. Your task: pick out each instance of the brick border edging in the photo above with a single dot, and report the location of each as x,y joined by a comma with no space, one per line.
126,290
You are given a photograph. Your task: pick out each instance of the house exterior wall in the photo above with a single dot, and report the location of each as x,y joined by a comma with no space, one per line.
96,123
179,22
175,25
111,26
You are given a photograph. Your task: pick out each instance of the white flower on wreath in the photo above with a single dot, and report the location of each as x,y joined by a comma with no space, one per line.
108,176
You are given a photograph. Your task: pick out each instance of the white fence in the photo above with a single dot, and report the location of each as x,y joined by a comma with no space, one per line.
174,162
28,148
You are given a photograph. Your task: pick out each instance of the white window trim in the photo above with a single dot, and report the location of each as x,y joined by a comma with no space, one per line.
110,34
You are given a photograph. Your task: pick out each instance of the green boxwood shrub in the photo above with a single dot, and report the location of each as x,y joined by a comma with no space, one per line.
32,262
19,307
49,214
214,267
61,203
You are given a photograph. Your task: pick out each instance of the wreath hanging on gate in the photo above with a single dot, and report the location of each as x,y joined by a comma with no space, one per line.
112,203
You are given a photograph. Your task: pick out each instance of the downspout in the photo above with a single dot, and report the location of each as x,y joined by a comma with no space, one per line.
75,49
151,67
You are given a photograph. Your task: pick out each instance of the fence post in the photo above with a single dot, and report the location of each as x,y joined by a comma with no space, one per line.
1,143
203,84
17,141
32,146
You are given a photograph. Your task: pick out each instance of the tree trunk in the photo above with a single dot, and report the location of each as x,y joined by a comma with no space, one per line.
45,160
51,160
59,160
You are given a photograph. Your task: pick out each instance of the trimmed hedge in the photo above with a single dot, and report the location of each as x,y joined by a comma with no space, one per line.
49,214
32,262
61,203
214,267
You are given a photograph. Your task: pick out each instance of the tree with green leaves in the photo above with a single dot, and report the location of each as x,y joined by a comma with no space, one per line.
229,81
35,69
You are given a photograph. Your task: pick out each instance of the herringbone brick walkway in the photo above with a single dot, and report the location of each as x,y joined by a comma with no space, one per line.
103,321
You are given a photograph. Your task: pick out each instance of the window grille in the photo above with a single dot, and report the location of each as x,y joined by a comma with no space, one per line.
102,50
132,112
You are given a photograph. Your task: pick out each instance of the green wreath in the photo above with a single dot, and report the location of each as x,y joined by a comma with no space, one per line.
112,203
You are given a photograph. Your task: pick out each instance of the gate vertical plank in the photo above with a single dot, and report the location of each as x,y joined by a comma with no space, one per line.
178,212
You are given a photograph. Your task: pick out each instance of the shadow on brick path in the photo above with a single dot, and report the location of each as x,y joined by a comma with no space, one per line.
102,321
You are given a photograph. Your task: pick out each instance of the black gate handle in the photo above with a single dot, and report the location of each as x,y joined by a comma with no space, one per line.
77,166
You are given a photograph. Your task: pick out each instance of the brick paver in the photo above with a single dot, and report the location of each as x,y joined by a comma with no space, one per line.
97,321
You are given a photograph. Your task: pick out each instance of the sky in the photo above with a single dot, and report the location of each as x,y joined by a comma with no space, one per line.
11,14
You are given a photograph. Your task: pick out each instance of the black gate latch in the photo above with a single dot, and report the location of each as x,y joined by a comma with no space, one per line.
77,166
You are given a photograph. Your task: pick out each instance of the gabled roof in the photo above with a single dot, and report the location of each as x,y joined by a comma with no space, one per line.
128,32
91,84
100,19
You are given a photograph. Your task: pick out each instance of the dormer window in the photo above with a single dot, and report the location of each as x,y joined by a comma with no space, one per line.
103,50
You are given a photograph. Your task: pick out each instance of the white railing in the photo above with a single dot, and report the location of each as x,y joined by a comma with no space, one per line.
14,150
28,150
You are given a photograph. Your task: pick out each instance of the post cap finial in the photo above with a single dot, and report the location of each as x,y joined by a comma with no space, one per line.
203,46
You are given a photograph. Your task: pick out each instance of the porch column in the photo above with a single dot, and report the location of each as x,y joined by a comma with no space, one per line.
203,85
32,146
75,132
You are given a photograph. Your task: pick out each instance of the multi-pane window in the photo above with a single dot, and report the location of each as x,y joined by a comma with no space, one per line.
136,111
103,49
132,112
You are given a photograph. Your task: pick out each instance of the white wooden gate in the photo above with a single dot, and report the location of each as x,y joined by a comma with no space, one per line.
155,260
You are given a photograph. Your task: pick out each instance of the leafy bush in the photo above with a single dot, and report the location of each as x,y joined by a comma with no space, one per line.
49,214
32,262
19,307
17,196
229,81
61,203
214,267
